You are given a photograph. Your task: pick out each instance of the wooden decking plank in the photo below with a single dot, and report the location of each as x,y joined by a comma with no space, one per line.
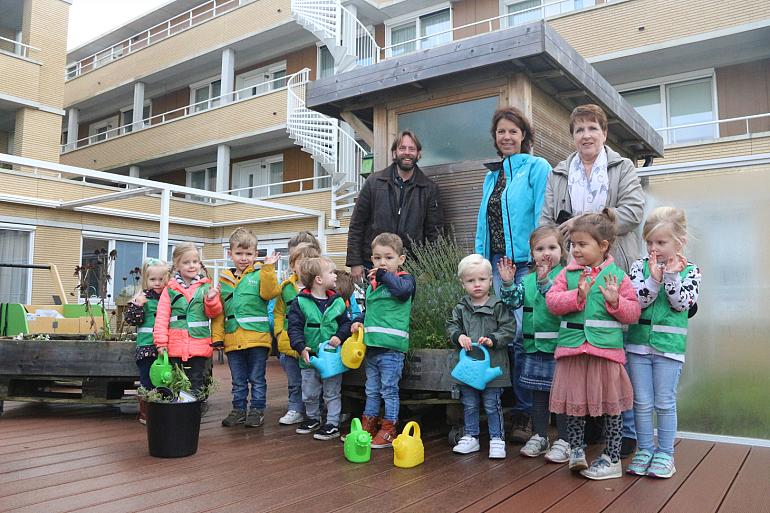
542,494
751,489
502,493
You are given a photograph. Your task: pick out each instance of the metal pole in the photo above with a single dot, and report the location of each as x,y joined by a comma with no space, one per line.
165,205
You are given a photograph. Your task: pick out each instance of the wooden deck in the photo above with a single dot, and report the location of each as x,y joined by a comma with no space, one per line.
59,459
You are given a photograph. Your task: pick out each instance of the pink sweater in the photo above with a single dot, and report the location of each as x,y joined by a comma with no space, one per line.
561,301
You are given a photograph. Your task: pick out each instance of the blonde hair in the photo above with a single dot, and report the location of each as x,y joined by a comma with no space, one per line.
541,232
150,263
302,251
599,226
312,268
243,238
180,250
672,218
389,240
304,237
471,262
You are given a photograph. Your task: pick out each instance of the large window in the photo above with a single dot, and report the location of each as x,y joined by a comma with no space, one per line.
202,177
259,177
205,95
101,130
325,63
675,104
15,248
452,133
127,117
526,11
262,80
422,32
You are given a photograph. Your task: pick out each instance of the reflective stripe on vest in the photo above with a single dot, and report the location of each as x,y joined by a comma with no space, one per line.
252,319
547,335
198,324
669,329
387,331
144,330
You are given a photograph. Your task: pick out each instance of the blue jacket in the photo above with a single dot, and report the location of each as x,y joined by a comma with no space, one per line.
522,201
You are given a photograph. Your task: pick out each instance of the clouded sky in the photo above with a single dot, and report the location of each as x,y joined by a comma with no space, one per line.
92,18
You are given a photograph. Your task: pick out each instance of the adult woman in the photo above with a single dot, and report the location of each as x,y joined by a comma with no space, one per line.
512,198
590,179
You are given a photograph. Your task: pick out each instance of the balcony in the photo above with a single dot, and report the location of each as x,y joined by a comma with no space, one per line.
19,71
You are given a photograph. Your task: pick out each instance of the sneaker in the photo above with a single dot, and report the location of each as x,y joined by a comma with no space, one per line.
535,446
627,447
327,432
467,445
603,468
291,417
496,449
662,466
577,459
640,463
255,418
521,429
234,418
307,427
559,452
385,436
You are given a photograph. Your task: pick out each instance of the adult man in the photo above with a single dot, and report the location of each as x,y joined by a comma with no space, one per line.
399,199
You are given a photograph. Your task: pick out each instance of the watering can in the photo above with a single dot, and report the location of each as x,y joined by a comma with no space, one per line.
473,372
408,450
160,371
358,444
353,350
328,363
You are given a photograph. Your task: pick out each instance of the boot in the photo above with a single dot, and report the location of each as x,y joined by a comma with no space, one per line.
142,411
370,424
385,436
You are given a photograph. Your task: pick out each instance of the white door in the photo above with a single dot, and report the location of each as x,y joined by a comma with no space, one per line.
250,174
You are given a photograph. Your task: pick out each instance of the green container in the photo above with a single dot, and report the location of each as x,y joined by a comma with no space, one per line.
161,371
358,444
367,164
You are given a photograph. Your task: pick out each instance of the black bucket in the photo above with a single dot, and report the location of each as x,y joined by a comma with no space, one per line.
173,429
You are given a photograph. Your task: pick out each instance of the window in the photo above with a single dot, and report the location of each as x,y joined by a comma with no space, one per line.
452,133
202,177
261,81
127,117
258,176
431,28
102,130
325,63
527,11
15,248
676,104
205,95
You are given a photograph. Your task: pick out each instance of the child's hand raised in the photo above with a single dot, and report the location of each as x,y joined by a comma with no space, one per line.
611,290
676,263
584,285
272,259
465,342
372,274
543,267
507,270
213,292
140,299
656,270
486,341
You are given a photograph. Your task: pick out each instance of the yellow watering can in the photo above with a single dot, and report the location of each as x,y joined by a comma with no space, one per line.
353,350
408,450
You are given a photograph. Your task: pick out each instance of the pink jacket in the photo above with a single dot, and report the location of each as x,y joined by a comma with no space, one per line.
561,301
179,342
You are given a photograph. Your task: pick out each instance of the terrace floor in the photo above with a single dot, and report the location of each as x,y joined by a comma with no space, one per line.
73,458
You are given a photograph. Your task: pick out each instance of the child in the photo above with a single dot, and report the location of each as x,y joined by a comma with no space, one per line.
244,326
595,298
318,314
184,309
482,318
540,330
289,357
667,287
386,326
345,288
140,312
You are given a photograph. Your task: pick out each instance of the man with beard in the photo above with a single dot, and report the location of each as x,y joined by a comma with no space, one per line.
399,199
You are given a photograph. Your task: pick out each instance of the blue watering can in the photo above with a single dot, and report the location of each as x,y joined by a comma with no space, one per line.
473,372
328,363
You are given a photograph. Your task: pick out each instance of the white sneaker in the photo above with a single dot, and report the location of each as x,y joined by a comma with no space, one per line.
496,449
559,452
467,445
535,446
603,468
291,417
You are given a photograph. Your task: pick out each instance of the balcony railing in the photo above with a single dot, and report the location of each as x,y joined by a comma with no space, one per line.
193,109
710,130
179,23
17,47
267,190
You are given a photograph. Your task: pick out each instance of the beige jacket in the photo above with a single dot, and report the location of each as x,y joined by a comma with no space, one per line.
625,196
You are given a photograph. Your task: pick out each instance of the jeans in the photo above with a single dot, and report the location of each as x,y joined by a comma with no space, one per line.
294,377
383,372
196,368
247,367
655,379
331,389
472,400
144,365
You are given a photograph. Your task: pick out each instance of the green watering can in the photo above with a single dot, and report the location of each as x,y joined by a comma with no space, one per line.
358,444
160,371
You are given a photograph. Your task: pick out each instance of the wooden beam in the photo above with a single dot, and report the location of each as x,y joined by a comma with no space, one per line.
359,126
128,193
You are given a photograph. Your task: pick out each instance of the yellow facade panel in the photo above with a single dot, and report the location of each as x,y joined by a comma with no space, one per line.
715,150
59,246
37,134
19,77
45,27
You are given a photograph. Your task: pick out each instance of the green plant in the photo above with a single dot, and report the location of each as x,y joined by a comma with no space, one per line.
179,383
97,270
434,266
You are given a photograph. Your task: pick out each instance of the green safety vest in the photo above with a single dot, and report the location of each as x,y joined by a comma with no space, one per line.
243,306
660,326
593,323
190,317
539,327
288,293
144,331
319,327
386,323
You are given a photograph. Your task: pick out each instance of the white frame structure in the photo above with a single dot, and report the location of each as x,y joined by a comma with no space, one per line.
30,251
212,100
414,17
264,161
269,82
194,169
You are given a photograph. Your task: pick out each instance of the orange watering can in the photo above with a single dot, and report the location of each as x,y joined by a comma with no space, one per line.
353,350
408,450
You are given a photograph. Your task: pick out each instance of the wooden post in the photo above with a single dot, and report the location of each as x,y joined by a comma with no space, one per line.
520,93
381,138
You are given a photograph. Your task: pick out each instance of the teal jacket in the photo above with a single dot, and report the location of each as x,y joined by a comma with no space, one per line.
522,201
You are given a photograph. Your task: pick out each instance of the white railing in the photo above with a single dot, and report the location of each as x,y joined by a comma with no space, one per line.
670,135
305,184
154,34
355,36
17,47
222,100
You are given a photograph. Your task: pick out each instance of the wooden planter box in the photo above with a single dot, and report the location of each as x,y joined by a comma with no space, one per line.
66,371
427,370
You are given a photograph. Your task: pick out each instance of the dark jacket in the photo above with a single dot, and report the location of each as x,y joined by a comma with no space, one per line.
378,211
297,320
